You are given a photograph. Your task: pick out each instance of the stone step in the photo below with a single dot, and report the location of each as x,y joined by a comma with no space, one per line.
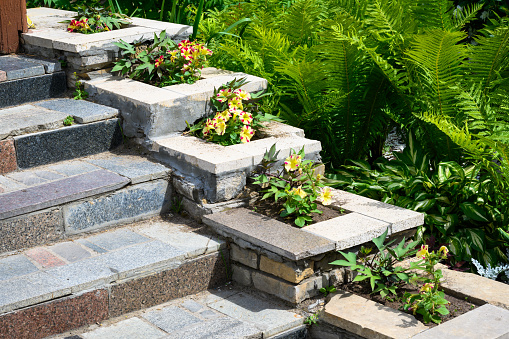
25,78
50,289
226,312
34,134
49,203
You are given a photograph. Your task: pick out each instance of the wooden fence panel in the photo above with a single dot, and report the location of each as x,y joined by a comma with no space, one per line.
13,19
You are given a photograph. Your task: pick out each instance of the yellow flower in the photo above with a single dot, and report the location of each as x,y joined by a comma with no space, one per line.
223,95
325,195
427,287
241,94
293,162
299,191
246,118
226,115
220,126
235,103
444,250
209,126
173,55
246,134
423,252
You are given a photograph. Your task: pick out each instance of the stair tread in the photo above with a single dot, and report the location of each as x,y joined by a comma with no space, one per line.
48,272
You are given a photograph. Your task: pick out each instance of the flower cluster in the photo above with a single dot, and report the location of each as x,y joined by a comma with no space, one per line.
95,19
79,26
191,55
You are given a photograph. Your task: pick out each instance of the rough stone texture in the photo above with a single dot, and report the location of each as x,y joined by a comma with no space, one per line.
126,329
188,189
7,156
191,277
67,143
349,230
17,92
91,246
244,256
462,284
28,119
116,239
15,266
192,306
137,169
268,317
70,251
9,185
70,168
31,230
270,234
487,321
56,316
127,205
294,333
171,319
48,175
28,179
368,318
16,68
3,76
241,275
44,258
50,66
198,210
59,192
83,111
288,271
223,328
326,331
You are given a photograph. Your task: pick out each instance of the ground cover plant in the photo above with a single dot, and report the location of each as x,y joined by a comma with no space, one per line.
90,20
162,62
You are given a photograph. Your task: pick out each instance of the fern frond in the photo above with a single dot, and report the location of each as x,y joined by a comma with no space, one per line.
462,16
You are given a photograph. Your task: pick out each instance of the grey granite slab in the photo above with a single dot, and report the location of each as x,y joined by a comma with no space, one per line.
171,319
487,322
117,239
30,289
70,251
26,178
17,68
59,192
268,317
9,185
28,119
132,328
48,175
14,266
270,234
41,87
91,246
192,306
126,205
50,66
82,111
222,328
72,167
137,169
67,143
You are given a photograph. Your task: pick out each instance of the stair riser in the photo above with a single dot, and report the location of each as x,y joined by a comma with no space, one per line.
115,299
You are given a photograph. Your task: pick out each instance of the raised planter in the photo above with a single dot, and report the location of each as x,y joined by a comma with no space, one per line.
87,52
293,263
352,316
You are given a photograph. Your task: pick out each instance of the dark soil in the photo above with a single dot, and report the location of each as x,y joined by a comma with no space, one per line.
456,307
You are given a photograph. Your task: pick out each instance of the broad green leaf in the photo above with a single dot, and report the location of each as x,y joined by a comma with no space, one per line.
474,211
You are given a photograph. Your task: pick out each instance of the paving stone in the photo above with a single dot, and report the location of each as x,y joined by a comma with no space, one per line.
192,306
132,328
28,119
32,229
83,111
15,266
244,256
368,318
17,92
67,143
57,316
70,251
117,239
126,205
50,66
92,246
26,178
270,234
192,243
137,169
48,175
295,333
208,314
30,289
268,317
59,192
349,230
73,167
10,185
288,270
486,321
16,68
44,258
3,76
7,156
222,328
171,319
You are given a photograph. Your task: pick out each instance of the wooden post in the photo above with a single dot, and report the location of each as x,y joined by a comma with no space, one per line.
13,19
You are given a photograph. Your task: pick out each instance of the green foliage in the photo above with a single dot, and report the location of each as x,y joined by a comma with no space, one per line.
327,290
311,320
79,92
96,19
462,206
69,120
236,115
296,185
163,62
384,277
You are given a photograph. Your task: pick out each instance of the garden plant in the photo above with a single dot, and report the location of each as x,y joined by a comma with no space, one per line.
96,19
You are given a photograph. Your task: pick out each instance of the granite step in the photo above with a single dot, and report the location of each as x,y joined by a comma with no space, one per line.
24,78
226,312
34,134
86,279
49,203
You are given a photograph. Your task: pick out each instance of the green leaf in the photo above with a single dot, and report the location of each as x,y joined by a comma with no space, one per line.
474,211
379,241
476,237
